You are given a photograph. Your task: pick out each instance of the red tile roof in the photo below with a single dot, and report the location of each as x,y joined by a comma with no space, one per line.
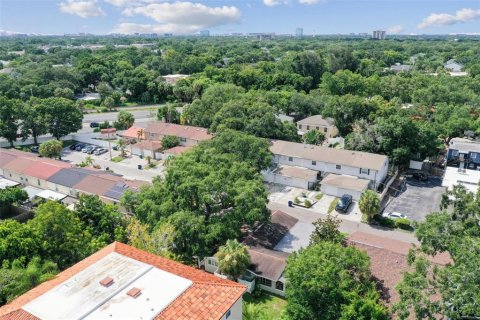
388,260
133,133
5,158
20,164
148,145
209,297
97,184
177,150
44,170
108,130
171,129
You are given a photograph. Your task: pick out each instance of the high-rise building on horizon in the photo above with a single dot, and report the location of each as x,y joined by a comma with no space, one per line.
299,32
379,34
205,33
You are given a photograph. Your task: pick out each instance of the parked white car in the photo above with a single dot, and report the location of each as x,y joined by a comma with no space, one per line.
394,215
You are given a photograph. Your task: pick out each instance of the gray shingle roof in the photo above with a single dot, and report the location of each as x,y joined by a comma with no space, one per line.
69,177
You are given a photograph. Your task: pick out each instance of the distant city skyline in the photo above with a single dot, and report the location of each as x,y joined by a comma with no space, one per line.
239,16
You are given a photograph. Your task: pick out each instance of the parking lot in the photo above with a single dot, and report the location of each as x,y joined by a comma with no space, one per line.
127,167
417,198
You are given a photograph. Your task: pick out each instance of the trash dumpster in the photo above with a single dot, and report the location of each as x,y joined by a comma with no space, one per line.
139,167
290,203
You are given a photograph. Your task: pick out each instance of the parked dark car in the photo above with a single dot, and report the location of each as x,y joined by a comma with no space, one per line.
34,149
94,124
79,147
73,146
420,176
344,203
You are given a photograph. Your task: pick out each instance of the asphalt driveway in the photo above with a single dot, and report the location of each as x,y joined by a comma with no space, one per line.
418,198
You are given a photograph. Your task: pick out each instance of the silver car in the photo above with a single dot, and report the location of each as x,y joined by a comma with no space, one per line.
394,215
100,151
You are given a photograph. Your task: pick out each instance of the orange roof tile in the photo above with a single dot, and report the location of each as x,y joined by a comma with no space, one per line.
148,145
177,150
209,297
133,133
43,170
97,184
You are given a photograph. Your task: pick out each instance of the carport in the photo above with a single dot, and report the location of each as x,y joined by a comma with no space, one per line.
337,185
293,176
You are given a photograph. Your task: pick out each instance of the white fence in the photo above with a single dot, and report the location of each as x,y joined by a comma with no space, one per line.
80,137
6,144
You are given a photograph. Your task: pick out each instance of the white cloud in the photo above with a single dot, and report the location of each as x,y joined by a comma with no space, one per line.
395,29
444,19
129,28
178,17
310,1
119,3
271,3
82,9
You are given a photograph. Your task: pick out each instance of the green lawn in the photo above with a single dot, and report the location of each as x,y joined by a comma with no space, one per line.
271,305
117,159
332,205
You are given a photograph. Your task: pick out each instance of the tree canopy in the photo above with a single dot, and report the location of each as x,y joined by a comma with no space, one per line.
329,281
450,291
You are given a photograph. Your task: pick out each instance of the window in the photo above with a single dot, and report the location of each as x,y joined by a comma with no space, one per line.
38,181
279,285
290,158
338,167
473,155
364,171
229,312
299,126
314,163
325,129
308,127
212,262
21,178
454,153
318,128
183,139
265,282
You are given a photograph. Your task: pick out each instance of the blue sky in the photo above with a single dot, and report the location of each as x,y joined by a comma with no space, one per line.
226,16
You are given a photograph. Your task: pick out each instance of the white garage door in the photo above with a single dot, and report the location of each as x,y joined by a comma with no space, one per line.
338,192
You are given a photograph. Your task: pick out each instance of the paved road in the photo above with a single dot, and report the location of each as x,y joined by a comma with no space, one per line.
112,116
348,226
142,118
127,168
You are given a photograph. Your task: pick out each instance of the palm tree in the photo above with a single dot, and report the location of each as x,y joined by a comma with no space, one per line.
233,259
252,311
88,161
369,204
121,145
140,134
